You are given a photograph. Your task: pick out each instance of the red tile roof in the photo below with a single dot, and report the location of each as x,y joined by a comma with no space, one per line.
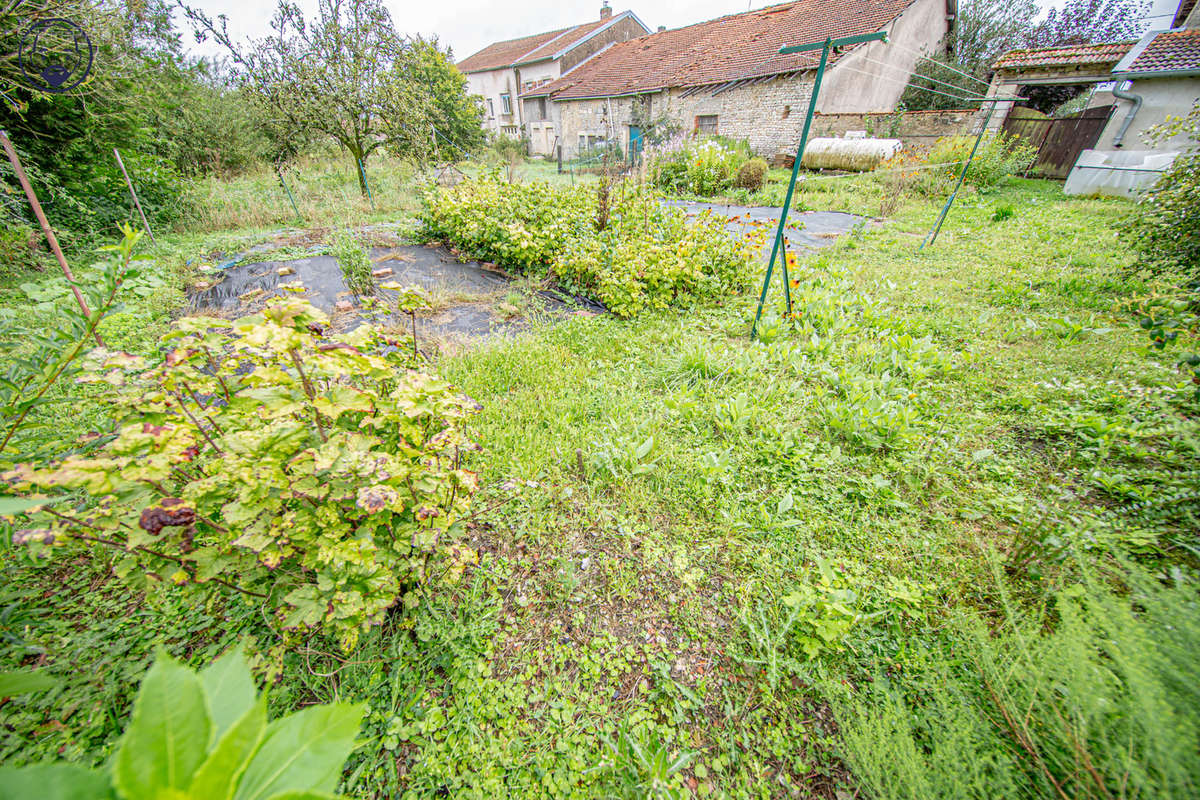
730,48
1071,55
1170,51
527,48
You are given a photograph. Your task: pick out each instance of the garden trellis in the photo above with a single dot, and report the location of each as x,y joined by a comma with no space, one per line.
827,46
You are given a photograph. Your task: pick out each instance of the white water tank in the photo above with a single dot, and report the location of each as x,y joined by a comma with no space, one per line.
857,155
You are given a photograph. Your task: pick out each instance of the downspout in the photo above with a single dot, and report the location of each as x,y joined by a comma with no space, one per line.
1136,99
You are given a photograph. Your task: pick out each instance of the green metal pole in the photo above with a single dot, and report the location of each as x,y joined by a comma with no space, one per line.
299,216
931,237
363,172
787,200
787,279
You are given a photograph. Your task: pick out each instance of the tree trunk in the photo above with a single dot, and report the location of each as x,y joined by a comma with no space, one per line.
358,153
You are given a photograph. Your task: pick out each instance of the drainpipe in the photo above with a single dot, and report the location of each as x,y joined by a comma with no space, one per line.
1136,99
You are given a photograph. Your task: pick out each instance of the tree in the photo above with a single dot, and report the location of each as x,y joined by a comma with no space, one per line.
1089,21
66,139
982,31
985,29
454,119
347,75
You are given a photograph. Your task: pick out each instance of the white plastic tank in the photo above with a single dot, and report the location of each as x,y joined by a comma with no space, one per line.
1117,173
857,155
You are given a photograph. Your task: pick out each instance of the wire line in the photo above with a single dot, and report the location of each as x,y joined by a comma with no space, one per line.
950,67
921,75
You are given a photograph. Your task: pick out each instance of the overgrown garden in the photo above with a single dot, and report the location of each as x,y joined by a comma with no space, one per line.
930,534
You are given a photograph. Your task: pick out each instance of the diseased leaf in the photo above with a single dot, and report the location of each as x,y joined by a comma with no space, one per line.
54,782
302,752
168,734
229,690
217,777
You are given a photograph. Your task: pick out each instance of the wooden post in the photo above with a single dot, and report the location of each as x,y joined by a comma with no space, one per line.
46,229
133,194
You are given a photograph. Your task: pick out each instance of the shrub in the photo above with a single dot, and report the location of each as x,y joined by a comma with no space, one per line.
354,262
997,157
313,472
205,735
1098,698
703,168
648,255
752,175
19,251
1165,228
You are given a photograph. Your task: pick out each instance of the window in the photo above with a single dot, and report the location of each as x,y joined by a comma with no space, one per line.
491,108
508,130
707,124
506,104
589,142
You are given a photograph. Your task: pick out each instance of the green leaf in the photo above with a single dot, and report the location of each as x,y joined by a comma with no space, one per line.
218,775
168,736
25,681
644,448
303,796
54,782
229,690
302,752
15,505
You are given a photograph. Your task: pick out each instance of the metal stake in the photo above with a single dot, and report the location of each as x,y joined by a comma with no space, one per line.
363,171
931,237
279,173
46,229
133,194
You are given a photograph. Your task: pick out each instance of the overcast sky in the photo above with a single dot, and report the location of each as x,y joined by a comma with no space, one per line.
469,25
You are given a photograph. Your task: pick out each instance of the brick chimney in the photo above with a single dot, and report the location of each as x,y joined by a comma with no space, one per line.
605,11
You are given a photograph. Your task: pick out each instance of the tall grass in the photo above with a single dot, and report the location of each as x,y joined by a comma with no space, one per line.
1095,696
325,189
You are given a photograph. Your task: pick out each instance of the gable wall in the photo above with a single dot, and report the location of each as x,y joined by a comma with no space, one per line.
624,30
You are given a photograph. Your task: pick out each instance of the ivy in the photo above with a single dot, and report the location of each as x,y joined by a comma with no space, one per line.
319,473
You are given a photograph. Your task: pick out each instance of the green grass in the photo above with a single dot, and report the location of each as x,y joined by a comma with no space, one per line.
689,531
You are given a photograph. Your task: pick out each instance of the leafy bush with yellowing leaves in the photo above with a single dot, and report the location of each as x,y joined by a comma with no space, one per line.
317,472
643,255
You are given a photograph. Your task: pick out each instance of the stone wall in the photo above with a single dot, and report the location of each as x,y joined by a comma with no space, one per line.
768,115
917,129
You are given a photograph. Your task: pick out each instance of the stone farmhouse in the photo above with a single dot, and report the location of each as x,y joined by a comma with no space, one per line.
726,76
500,72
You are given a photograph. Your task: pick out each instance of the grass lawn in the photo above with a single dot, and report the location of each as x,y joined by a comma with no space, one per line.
688,537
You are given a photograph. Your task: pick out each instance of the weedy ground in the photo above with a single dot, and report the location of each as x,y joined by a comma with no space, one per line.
684,533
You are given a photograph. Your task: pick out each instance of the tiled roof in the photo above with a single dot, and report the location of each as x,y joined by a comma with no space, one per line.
727,49
1170,51
1070,55
527,48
